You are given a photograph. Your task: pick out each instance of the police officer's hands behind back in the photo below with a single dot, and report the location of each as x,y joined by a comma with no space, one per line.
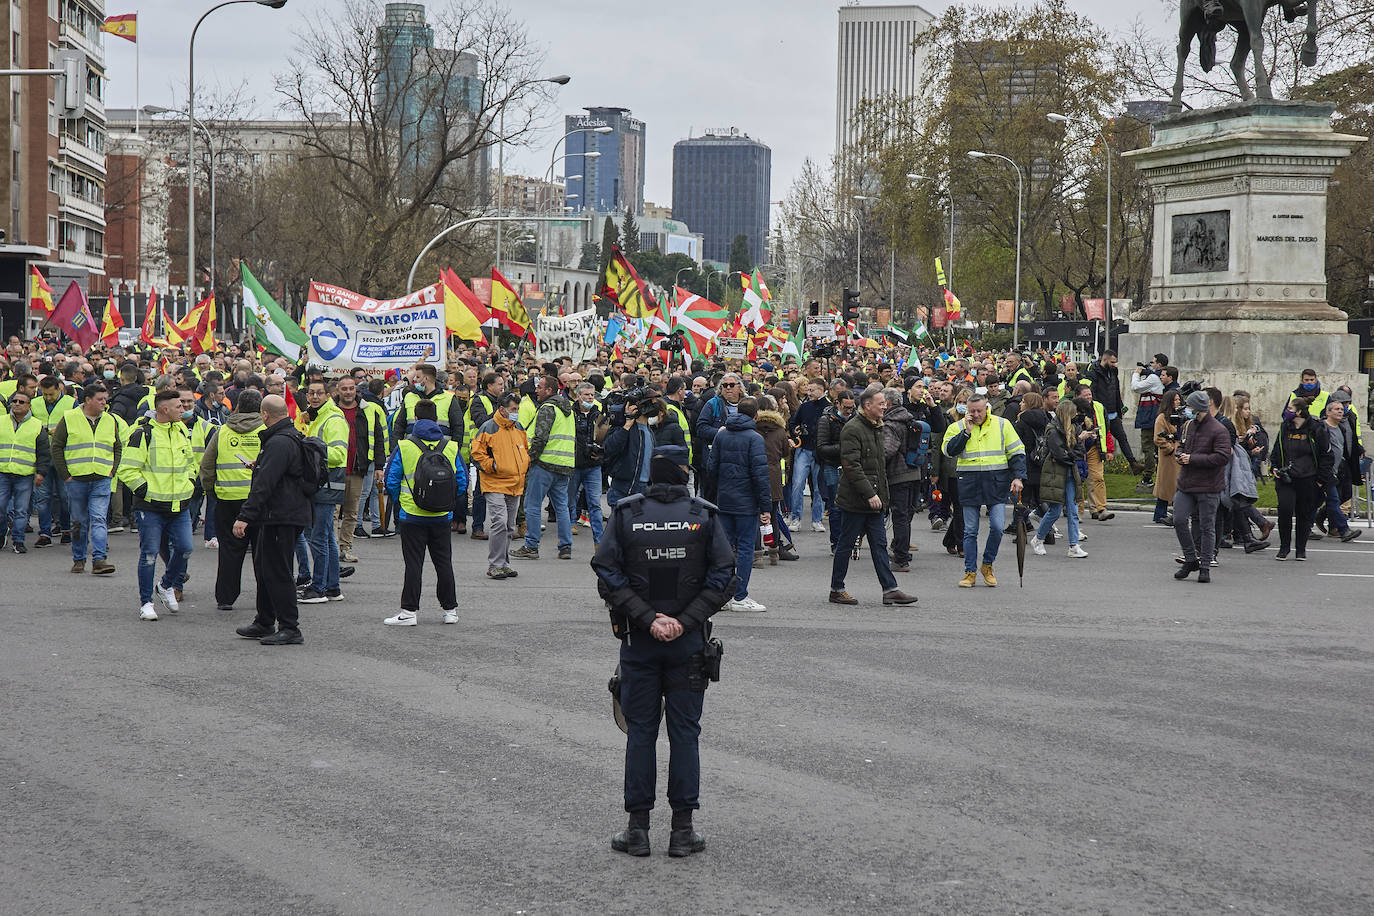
665,628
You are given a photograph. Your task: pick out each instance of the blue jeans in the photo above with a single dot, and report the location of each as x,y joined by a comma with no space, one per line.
51,489
1068,508
324,549
873,524
830,484
90,503
997,521
152,528
15,493
368,503
804,468
302,554
588,479
1335,518
740,531
541,483
620,489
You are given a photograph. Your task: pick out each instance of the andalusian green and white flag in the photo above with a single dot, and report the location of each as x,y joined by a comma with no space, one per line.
919,330
273,329
796,343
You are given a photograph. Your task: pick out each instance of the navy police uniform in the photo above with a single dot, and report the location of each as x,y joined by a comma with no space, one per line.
663,552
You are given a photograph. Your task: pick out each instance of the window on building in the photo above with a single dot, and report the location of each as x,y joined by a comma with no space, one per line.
52,229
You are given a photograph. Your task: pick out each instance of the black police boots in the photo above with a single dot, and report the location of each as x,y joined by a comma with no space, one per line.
684,840
634,839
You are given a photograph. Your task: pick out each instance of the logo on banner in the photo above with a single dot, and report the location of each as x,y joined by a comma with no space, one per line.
329,336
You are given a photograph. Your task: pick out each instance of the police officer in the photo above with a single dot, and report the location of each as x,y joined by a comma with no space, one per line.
664,567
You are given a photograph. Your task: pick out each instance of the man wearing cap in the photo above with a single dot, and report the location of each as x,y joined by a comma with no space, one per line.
664,568
1203,453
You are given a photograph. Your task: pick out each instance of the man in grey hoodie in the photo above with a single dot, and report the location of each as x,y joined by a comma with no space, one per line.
226,473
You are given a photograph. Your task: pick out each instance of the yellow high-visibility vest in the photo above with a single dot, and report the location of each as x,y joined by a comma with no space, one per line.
233,451
410,459
19,447
989,447
90,451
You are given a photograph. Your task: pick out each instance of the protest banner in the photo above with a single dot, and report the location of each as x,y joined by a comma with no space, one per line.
348,329
732,347
574,336
820,327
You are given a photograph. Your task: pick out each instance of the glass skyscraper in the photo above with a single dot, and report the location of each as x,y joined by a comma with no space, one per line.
720,189
613,181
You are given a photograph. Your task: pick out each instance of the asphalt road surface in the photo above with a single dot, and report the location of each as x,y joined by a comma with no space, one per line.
1103,740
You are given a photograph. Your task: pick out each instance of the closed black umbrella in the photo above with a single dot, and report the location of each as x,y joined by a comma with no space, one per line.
1021,519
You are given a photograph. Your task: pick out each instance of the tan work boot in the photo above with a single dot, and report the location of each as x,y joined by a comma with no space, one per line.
968,580
988,577
102,567
78,567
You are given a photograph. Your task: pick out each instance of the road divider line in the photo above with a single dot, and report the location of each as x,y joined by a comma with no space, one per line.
1348,575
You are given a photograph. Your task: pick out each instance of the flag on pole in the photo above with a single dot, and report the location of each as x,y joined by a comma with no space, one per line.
73,316
40,293
125,26
273,329
508,308
700,319
464,313
952,306
172,335
614,326
109,328
148,333
919,330
755,311
198,327
623,287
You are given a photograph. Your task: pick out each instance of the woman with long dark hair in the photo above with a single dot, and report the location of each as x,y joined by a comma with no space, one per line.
1059,478
1166,440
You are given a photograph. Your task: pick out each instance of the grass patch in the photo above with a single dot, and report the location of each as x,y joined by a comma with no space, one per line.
1121,488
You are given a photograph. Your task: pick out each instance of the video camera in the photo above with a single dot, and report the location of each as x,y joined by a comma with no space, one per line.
828,350
618,401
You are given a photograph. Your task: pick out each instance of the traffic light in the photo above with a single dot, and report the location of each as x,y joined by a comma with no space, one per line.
814,308
71,85
851,305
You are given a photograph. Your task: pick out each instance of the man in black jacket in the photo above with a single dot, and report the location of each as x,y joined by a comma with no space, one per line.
828,428
1107,392
278,507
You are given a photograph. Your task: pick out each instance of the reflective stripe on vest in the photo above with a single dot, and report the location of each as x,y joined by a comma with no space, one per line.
988,448
410,458
168,464
470,427
19,447
441,401
561,449
90,451
682,423
233,478
50,418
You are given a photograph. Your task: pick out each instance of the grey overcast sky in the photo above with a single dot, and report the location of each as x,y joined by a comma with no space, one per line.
764,66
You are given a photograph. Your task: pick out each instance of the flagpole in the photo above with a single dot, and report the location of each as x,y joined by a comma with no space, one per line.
137,70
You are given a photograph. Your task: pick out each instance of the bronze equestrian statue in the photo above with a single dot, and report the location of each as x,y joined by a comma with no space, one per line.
1206,18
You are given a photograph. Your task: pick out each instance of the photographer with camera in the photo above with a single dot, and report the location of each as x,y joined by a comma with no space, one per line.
1204,451
586,477
1302,462
1149,383
636,429
664,569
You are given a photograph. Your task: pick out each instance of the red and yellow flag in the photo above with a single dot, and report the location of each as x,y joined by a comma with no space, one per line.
507,308
148,333
109,328
40,293
125,26
197,328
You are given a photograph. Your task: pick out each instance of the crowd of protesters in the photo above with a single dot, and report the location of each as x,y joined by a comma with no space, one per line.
166,445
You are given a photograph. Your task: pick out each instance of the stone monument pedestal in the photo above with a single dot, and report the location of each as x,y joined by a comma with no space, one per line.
1238,280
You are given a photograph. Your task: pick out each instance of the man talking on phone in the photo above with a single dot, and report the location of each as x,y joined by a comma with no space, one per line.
992,465
226,473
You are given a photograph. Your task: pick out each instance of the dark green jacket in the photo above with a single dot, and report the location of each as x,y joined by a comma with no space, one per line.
1062,463
863,465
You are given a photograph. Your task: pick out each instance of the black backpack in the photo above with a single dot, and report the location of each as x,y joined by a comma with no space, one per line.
435,486
314,465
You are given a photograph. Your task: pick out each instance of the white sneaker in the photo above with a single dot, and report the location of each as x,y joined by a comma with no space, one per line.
794,522
750,605
403,619
212,544
818,527
451,616
1081,536
1057,532
168,596
1038,546
1077,552
146,612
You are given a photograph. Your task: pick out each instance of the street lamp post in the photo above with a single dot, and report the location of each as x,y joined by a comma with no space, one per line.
554,157
548,179
191,142
560,80
1020,198
1107,157
859,240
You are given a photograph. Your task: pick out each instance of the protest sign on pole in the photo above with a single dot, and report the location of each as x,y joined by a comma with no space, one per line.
575,336
348,329
820,327
732,347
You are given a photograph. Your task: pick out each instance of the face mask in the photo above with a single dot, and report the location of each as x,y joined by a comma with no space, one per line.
961,409
109,374
588,403
188,414
1188,412
652,421
513,414
1309,386
928,379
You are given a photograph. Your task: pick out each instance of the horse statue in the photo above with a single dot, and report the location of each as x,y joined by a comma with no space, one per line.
1206,18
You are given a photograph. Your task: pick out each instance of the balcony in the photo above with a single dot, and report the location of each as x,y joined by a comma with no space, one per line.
70,146
72,36
95,263
82,207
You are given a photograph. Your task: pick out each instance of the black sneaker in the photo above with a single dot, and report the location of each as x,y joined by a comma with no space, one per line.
346,571
1254,546
1282,554
334,594
525,553
1187,569
43,541
1350,534
66,537
360,532
310,596
1300,555
253,631
20,548
284,638
565,553
383,533
302,580
1204,575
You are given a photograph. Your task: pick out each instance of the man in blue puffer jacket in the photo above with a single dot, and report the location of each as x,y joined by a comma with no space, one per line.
738,462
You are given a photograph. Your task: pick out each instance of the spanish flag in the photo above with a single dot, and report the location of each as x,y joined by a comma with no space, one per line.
198,327
40,293
464,313
125,26
507,308
109,328
148,333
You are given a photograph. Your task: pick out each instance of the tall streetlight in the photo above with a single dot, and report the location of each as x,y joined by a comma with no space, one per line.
1107,156
548,179
191,143
859,240
949,197
1020,195
560,80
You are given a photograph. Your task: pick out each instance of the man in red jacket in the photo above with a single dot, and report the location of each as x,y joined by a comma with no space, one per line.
1204,451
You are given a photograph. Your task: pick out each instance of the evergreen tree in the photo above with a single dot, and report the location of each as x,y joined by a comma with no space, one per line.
739,255
629,233
591,256
610,237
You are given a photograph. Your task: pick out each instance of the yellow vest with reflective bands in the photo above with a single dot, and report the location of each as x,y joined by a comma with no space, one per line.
19,447
331,426
528,409
90,451
163,459
410,458
989,446
51,417
682,423
470,427
561,449
233,451
441,402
